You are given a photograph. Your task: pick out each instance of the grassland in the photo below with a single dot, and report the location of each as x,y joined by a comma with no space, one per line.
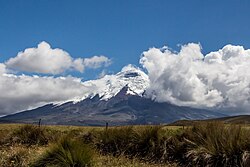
203,144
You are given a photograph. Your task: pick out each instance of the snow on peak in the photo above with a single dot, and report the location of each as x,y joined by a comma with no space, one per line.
108,86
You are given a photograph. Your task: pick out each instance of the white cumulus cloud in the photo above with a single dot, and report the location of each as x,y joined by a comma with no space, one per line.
47,60
96,62
218,79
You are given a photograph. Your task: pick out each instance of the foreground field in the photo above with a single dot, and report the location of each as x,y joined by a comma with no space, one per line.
204,144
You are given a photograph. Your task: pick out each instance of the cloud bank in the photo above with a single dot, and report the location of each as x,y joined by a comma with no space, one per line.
20,92
219,79
46,60
23,92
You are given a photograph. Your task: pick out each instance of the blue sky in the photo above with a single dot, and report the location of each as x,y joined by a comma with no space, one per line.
121,30
91,34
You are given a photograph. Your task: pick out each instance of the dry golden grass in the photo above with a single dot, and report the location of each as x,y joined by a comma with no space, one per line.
108,161
19,155
204,144
61,128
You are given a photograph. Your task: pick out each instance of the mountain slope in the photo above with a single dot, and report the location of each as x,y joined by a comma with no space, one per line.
122,109
117,99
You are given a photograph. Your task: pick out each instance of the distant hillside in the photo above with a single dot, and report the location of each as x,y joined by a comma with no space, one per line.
240,119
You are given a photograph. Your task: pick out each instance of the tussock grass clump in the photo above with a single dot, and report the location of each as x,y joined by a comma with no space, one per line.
147,143
216,144
66,153
144,143
116,140
174,148
30,135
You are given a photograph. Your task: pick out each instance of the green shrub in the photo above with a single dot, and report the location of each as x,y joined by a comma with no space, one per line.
66,153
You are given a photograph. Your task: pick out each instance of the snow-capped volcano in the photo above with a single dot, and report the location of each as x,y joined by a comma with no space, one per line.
108,86
117,99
